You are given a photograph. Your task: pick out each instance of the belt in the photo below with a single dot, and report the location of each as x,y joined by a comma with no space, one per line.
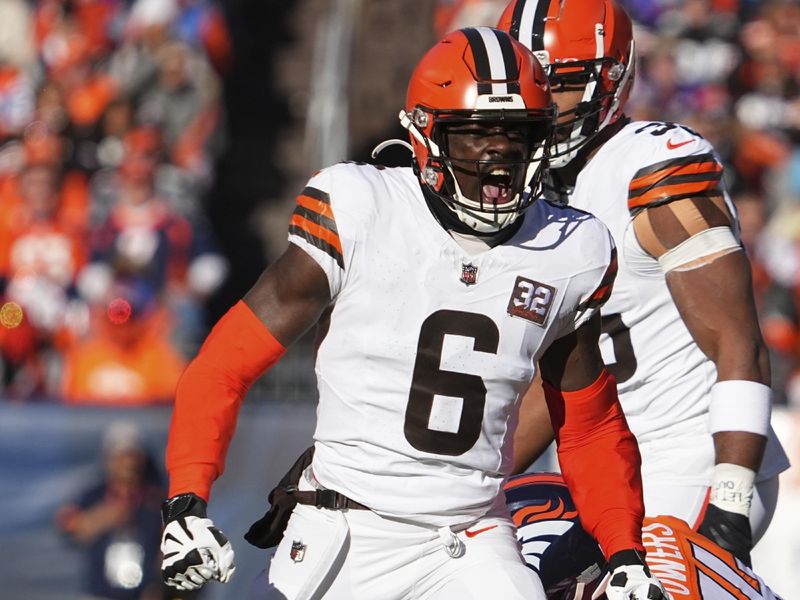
326,499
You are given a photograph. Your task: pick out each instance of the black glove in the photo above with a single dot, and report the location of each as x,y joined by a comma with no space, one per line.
629,578
729,530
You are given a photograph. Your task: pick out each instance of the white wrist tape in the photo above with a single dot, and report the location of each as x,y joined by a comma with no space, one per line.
709,243
732,488
739,405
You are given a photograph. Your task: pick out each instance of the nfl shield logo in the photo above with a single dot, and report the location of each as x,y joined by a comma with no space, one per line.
298,551
469,274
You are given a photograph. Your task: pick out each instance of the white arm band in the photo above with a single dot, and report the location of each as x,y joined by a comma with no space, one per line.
739,405
707,243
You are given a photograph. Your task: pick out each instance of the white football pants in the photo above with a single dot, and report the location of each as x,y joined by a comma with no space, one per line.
358,555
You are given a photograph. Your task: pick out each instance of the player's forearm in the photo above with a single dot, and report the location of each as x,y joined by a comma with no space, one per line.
208,397
739,420
530,444
717,307
740,355
535,432
739,448
600,461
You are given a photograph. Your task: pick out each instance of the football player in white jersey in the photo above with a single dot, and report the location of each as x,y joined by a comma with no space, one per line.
571,566
445,285
680,330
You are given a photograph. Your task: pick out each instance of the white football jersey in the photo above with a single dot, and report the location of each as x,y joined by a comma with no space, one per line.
663,377
428,346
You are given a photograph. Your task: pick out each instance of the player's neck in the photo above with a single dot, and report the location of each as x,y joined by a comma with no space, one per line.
473,244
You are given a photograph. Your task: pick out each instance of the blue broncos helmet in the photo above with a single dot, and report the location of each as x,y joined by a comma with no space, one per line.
554,544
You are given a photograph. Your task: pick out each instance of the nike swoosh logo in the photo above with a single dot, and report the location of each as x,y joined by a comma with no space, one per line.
471,534
672,146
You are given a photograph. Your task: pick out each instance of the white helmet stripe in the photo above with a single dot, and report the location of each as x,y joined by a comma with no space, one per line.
527,23
497,64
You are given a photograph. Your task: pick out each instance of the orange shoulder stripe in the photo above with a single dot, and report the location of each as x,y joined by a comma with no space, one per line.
315,205
317,231
710,166
681,190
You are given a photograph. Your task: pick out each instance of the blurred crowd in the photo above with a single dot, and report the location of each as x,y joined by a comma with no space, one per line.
116,521
730,70
110,123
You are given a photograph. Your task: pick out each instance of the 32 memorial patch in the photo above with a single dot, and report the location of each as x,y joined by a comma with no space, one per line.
531,300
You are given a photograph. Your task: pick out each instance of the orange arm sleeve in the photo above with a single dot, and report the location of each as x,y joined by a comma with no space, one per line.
207,400
600,461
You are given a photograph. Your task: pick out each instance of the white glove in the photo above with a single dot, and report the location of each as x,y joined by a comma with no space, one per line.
630,579
195,552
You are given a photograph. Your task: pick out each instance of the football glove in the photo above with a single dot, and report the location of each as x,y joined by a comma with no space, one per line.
195,552
630,579
729,530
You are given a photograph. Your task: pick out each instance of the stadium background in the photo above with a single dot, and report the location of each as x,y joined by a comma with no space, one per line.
150,151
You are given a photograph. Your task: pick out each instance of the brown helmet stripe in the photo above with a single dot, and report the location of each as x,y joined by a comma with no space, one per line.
496,66
481,57
510,61
527,22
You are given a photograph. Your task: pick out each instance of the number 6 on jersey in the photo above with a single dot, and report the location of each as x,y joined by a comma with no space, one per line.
429,380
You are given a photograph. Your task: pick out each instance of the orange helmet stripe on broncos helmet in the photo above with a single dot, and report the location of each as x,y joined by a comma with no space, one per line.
477,74
580,41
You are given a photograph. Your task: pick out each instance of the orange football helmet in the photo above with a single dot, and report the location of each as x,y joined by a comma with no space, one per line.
479,75
578,42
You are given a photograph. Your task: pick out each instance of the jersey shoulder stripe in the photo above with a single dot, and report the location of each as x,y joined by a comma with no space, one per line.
313,220
604,288
683,177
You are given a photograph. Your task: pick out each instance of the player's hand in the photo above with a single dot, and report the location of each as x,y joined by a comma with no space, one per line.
195,552
630,579
729,530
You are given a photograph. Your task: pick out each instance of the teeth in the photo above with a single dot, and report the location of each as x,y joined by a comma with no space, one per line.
499,171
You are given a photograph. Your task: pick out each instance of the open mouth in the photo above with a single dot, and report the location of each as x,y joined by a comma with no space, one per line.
496,186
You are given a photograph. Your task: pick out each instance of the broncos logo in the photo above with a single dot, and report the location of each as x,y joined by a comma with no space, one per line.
539,525
552,540
546,511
